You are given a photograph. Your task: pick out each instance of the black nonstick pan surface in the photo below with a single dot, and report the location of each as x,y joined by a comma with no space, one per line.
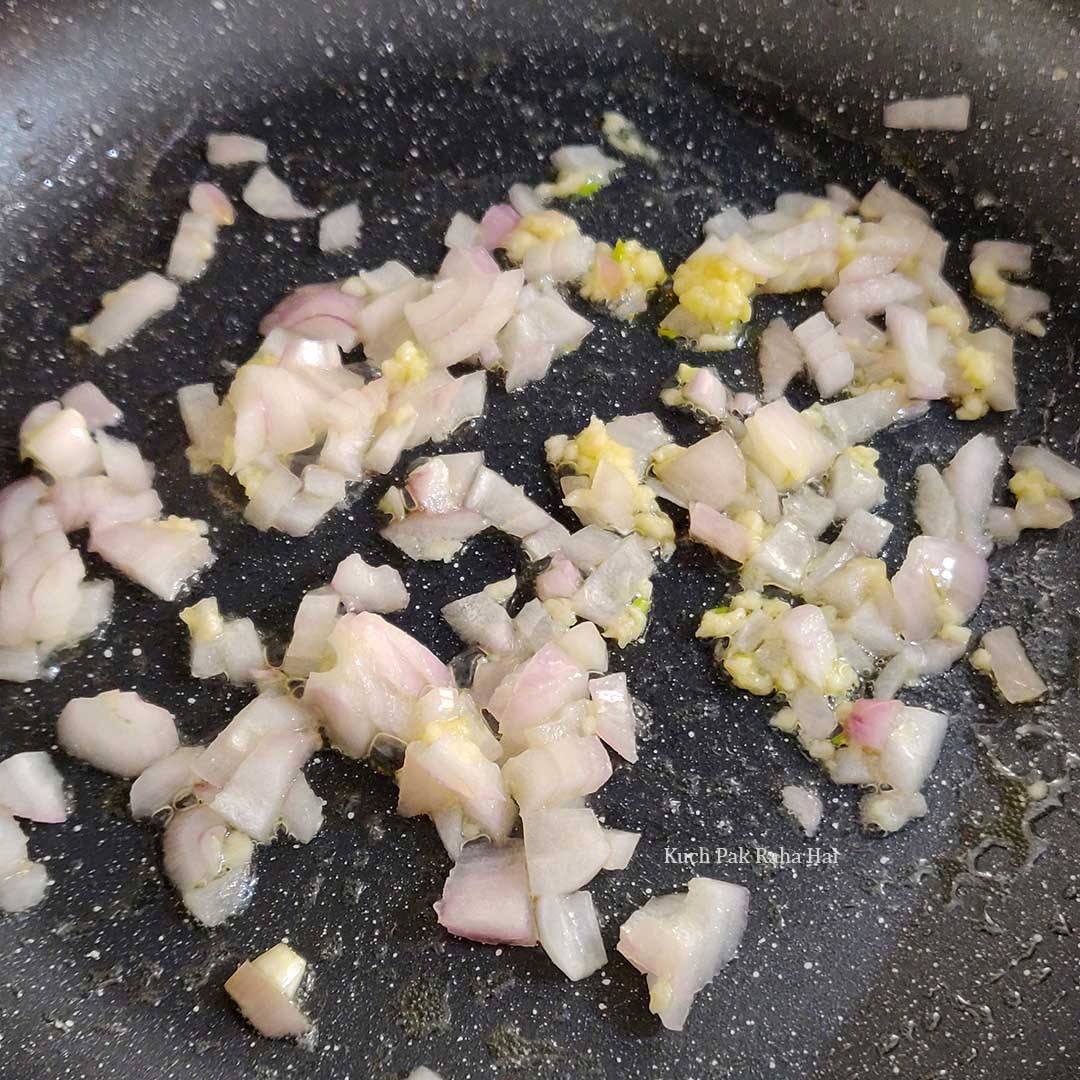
947,950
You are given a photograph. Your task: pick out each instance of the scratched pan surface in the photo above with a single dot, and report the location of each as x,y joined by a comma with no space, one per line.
947,950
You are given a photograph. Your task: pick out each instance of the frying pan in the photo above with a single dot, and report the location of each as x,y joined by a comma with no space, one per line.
947,950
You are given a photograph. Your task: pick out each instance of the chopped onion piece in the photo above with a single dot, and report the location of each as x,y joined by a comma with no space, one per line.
97,410
557,772
681,941
486,896
32,788
254,797
231,149
378,674
623,845
1007,662
804,806
929,114
159,555
363,587
340,229
316,617
711,471
265,991
569,932
1061,473
117,732
269,714
126,311
22,882
891,810
270,197
616,723
165,782
565,848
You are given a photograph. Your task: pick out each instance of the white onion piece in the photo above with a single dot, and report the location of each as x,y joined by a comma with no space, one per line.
61,445
19,665
236,652
159,555
116,731
882,199
730,221
871,296
827,357
452,770
270,197
164,782
589,547
378,674
712,471
192,248
209,865
908,329
929,114
462,232
232,149
321,311
780,359
934,570
810,643
1009,665
564,849
479,620
129,471
363,587
126,311
804,806
1061,473
316,617
486,896
891,810
623,845
546,682
848,423
439,484
561,578
32,788
524,199
586,647
553,774
254,796
422,1072
22,882
971,476
935,507
615,582
911,749
97,410
569,932
616,723
643,433
268,714
340,229
302,811
462,314
681,941
543,326
265,991
433,536
785,446
496,225
505,506
210,201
